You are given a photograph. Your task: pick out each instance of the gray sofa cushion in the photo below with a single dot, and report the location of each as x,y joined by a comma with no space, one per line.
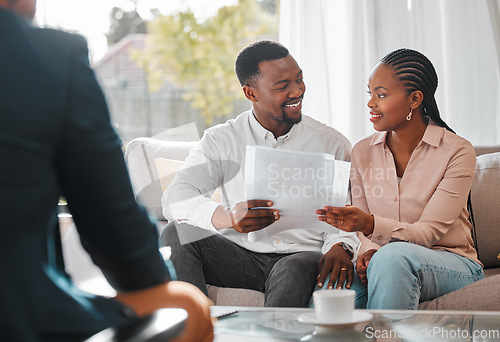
481,296
231,296
480,150
486,208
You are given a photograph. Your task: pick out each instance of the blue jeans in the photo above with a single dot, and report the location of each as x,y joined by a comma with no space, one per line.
402,274
287,280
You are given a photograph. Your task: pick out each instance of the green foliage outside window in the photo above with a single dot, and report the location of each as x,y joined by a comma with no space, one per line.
200,55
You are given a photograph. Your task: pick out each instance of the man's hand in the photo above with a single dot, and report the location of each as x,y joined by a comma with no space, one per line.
348,218
337,262
362,265
175,294
246,216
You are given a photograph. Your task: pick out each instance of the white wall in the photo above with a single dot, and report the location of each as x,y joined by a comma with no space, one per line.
337,43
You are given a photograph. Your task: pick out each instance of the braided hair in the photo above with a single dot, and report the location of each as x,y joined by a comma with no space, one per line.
417,73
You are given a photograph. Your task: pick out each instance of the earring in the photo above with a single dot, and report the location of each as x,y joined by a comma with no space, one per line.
408,117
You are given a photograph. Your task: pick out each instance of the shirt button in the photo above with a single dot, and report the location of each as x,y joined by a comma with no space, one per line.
379,238
395,199
277,241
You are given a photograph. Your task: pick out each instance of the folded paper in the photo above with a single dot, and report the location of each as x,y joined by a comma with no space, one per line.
298,183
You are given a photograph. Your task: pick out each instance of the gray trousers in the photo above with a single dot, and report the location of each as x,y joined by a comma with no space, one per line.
287,280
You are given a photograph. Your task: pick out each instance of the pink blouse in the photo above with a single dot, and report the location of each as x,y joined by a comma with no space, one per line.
429,207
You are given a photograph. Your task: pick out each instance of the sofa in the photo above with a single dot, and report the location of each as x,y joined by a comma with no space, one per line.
152,163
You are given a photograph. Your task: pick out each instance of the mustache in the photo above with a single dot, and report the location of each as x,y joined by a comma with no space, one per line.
301,97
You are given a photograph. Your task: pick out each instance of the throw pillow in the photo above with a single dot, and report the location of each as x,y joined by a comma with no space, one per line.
167,168
485,204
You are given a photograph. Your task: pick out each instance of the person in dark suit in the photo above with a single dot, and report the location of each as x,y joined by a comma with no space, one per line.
56,139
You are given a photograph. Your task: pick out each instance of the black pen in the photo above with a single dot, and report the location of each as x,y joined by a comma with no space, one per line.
227,314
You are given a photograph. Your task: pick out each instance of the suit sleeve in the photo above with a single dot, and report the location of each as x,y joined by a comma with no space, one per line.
113,228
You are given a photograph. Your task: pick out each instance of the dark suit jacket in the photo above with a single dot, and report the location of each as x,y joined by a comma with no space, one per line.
56,139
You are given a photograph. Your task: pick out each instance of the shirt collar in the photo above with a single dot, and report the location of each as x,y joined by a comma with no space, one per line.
378,137
257,129
293,131
432,136
262,133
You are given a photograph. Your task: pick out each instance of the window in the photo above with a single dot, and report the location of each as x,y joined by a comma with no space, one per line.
168,63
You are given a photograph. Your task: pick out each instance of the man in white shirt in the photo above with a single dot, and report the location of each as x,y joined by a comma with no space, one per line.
210,240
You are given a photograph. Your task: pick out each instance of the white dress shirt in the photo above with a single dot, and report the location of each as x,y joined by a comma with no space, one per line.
219,159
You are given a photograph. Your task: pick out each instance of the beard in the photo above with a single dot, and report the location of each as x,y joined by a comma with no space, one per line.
288,120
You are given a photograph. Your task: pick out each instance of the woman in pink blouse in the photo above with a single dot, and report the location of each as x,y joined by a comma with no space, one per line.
410,184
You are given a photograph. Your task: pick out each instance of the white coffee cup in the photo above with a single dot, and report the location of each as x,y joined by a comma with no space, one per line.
334,305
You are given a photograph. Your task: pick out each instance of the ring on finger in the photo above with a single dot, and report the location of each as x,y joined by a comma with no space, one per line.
343,269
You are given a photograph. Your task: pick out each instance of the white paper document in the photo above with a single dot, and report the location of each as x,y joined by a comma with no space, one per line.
298,183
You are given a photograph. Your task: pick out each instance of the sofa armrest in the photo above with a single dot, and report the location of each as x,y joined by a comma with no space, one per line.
140,156
485,196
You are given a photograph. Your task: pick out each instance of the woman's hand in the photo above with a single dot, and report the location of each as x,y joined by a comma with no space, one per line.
362,265
348,218
337,262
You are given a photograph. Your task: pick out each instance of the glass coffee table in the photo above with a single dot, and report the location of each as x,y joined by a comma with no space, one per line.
288,324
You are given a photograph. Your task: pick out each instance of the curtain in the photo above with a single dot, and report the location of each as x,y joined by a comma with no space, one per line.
338,42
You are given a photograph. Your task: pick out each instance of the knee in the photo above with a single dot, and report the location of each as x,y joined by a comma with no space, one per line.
392,250
168,235
300,263
391,258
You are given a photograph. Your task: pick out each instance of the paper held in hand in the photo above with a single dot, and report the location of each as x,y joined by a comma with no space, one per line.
298,183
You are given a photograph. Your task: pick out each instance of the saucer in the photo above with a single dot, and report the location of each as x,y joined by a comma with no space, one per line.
358,316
